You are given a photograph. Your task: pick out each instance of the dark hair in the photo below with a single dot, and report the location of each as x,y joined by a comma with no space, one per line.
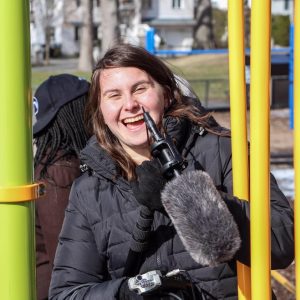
66,132
126,55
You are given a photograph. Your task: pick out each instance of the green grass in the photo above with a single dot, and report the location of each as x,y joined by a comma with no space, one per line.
205,66
208,75
37,77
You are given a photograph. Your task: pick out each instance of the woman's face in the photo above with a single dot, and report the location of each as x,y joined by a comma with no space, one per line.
124,91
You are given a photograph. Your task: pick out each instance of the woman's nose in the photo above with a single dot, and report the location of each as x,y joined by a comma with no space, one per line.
130,102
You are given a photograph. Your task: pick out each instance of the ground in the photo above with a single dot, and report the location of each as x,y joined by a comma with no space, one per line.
281,141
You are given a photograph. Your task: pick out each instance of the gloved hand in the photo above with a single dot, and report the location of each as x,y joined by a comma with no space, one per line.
126,294
149,184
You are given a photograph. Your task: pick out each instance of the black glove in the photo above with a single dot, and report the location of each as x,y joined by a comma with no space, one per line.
126,294
149,184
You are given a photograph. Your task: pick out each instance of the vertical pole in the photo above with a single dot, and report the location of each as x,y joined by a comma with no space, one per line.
206,92
291,76
238,116
259,149
150,45
297,140
17,258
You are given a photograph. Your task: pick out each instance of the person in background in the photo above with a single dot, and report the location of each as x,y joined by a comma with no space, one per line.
59,135
198,228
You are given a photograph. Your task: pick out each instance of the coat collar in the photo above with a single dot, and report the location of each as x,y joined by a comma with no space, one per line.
95,158
99,161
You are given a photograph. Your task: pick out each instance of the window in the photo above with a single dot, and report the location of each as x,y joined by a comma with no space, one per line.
177,4
95,32
286,4
146,4
77,33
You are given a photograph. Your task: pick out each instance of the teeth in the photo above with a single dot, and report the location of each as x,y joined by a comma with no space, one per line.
135,119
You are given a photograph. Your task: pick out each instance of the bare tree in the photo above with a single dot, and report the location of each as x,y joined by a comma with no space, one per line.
85,62
43,19
109,24
203,30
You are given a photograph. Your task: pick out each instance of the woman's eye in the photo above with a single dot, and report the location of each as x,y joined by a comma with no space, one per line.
140,89
113,96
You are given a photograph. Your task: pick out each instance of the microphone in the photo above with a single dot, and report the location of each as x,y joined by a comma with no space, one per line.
201,218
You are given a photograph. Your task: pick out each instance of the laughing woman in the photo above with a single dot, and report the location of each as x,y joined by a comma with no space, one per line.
105,201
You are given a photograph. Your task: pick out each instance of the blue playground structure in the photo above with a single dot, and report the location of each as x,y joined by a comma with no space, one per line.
281,64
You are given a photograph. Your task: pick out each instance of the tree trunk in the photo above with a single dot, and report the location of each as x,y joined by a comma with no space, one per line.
247,16
85,62
203,31
47,45
43,17
109,24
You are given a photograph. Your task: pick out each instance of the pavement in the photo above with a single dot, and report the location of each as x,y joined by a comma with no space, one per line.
58,64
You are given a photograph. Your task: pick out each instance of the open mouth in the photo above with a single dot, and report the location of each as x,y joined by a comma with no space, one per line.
134,122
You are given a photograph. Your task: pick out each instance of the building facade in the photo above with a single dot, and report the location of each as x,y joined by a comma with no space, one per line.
173,21
59,22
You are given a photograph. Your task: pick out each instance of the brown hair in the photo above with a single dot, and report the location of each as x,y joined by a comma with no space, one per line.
126,55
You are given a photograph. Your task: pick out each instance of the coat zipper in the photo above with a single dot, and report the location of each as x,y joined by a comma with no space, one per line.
157,253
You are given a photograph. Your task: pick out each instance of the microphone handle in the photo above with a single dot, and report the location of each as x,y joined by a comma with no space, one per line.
177,173
139,242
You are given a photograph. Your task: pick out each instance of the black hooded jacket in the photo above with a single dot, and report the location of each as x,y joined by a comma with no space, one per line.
102,212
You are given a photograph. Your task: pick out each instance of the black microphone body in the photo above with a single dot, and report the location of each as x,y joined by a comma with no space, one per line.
172,164
164,149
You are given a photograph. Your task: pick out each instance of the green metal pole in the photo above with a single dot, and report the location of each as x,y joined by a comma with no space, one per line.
17,253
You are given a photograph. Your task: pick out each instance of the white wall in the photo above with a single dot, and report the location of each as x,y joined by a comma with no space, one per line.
162,9
166,11
278,7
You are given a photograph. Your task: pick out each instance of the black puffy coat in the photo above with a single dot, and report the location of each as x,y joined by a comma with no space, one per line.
102,212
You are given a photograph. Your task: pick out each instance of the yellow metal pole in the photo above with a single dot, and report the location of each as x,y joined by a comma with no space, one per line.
259,149
238,117
297,140
17,252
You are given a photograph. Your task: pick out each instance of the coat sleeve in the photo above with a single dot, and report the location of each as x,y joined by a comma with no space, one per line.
80,270
282,222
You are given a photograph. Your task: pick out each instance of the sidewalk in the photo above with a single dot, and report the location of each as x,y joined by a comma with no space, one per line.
58,64
281,135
